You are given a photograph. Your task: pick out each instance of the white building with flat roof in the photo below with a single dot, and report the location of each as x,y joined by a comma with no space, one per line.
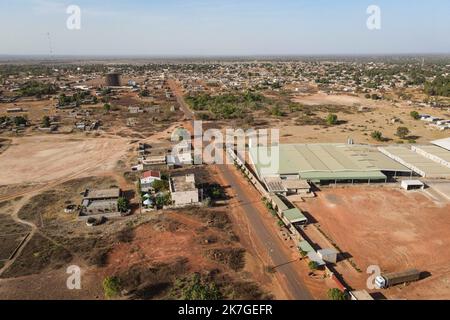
184,191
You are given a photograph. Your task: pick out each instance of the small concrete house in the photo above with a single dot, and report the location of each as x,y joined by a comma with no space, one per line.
97,203
183,190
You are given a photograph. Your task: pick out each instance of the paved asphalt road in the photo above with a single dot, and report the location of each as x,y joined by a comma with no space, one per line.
295,285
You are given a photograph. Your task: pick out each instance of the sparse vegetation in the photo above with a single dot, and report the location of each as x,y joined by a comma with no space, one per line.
402,132
123,204
415,115
332,119
111,287
336,294
377,135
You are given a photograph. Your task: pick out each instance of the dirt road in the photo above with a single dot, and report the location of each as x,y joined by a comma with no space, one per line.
188,114
266,236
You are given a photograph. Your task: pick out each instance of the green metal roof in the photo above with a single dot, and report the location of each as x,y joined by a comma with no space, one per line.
305,246
343,175
294,215
279,203
324,161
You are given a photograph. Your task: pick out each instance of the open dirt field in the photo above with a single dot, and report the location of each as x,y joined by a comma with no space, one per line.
390,228
359,125
46,158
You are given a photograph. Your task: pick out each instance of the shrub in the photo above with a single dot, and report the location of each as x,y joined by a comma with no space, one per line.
402,132
111,287
313,265
197,289
336,294
415,115
123,204
332,119
377,135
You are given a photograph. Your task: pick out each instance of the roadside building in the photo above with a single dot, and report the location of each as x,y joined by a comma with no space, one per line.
328,255
184,191
360,295
323,164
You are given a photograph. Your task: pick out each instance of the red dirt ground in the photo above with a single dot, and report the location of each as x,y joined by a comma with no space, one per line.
391,228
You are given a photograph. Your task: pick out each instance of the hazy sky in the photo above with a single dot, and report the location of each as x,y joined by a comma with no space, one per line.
227,27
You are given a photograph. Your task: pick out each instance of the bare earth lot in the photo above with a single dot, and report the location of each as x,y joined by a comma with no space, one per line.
390,228
359,125
45,158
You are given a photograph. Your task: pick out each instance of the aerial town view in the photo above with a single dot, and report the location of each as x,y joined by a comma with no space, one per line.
230,172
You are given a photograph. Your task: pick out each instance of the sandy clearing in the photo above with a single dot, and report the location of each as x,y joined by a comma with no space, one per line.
390,228
45,158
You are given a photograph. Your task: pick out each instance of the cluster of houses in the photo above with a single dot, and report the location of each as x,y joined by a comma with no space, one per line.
439,123
181,192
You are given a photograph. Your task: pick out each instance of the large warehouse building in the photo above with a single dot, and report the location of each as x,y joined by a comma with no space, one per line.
327,163
422,160
443,143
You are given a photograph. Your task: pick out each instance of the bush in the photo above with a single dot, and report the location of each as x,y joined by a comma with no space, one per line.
377,135
332,119
160,185
197,289
111,287
336,294
415,115
46,122
402,132
20,120
123,204
313,265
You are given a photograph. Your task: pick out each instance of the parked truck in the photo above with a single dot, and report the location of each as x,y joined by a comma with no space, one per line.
387,280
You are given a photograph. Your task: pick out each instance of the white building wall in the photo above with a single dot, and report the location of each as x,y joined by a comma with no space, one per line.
185,198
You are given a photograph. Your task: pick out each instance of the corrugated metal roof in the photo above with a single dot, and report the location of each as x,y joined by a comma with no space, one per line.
443,143
294,215
328,161
413,159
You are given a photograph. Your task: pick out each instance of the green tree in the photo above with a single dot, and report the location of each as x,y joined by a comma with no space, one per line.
163,200
111,287
19,120
160,185
377,135
332,119
415,115
336,294
402,132
46,122
123,204
107,107
313,265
